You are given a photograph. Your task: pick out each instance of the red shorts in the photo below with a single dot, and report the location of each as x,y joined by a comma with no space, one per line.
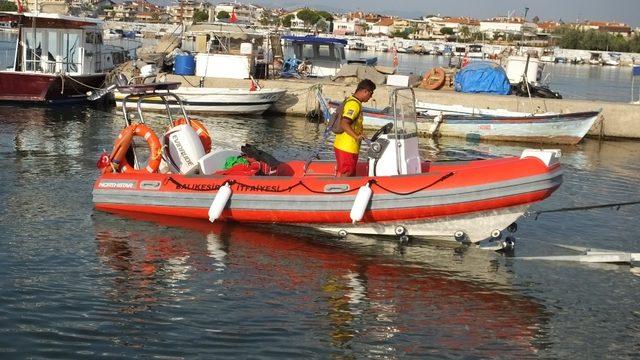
347,162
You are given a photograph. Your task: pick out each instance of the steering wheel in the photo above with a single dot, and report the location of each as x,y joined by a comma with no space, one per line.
383,130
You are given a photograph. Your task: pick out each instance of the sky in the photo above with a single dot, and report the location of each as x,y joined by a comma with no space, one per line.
626,11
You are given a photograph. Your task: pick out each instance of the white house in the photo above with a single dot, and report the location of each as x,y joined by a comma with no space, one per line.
508,26
383,27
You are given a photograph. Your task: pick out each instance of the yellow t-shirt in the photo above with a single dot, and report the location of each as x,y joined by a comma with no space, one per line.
353,111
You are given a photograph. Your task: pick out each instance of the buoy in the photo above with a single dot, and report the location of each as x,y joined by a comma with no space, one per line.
219,202
360,203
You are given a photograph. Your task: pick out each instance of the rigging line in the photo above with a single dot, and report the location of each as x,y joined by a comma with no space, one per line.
587,207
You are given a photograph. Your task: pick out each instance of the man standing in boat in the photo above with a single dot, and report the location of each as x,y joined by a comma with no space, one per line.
347,144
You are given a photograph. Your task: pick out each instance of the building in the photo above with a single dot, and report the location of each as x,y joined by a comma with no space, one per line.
184,10
125,11
382,27
508,26
612,28
48,6
245,14
548,27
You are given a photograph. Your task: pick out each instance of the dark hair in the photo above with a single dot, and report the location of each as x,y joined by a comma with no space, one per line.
366,84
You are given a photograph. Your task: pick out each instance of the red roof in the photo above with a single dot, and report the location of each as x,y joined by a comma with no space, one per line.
384,22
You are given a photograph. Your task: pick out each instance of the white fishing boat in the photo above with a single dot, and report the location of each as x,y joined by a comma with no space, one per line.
501,124
214,100
488,124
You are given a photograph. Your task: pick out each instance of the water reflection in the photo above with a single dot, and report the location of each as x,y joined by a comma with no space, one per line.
363,292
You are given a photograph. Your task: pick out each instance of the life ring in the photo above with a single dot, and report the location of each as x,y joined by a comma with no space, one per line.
123,144
433,79
200,129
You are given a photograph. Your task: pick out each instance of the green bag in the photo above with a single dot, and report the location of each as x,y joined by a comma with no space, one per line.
234,160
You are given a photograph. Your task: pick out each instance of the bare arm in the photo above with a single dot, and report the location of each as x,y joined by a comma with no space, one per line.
345,123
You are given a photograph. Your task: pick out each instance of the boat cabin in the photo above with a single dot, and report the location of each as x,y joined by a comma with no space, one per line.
459,50
325,55
53,43
475,51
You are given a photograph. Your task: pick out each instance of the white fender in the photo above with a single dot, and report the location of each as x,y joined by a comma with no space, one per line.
219,202
360,203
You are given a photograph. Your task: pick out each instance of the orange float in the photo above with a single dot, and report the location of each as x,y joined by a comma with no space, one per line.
200,129
123,144
433,79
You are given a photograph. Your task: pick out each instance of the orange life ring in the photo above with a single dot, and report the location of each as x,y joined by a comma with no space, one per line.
200,129
433,79
123,143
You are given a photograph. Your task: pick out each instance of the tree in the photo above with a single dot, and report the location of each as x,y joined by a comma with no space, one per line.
326,15
286,21
308,16
223,15
399,34
322,25
465,33
535,20
8,6
446,31
155,16
200,16
264,19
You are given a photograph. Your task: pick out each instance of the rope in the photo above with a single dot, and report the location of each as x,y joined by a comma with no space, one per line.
576,208
77,81
187,80
302,184
373,182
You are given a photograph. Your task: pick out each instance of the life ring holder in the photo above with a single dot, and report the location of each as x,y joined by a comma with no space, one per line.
123,144
433,79
200,129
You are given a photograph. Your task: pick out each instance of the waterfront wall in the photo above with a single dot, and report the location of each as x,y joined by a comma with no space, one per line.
620,120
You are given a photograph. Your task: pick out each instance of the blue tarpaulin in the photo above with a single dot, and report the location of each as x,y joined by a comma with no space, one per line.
482,77
636,70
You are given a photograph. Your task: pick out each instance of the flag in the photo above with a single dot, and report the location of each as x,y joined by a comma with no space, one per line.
395,57
234,17
254,85
103,161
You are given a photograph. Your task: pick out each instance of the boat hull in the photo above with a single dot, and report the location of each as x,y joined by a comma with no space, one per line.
213,100
47,88
567,128
474,197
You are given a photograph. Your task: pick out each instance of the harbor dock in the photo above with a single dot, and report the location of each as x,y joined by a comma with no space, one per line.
619,120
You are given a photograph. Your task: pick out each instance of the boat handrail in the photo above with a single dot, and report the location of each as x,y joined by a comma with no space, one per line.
140,89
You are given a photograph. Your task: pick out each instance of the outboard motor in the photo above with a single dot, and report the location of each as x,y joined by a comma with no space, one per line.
182,149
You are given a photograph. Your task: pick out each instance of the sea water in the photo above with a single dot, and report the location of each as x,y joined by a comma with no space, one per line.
79,283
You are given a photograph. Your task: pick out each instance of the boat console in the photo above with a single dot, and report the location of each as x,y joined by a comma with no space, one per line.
393,149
